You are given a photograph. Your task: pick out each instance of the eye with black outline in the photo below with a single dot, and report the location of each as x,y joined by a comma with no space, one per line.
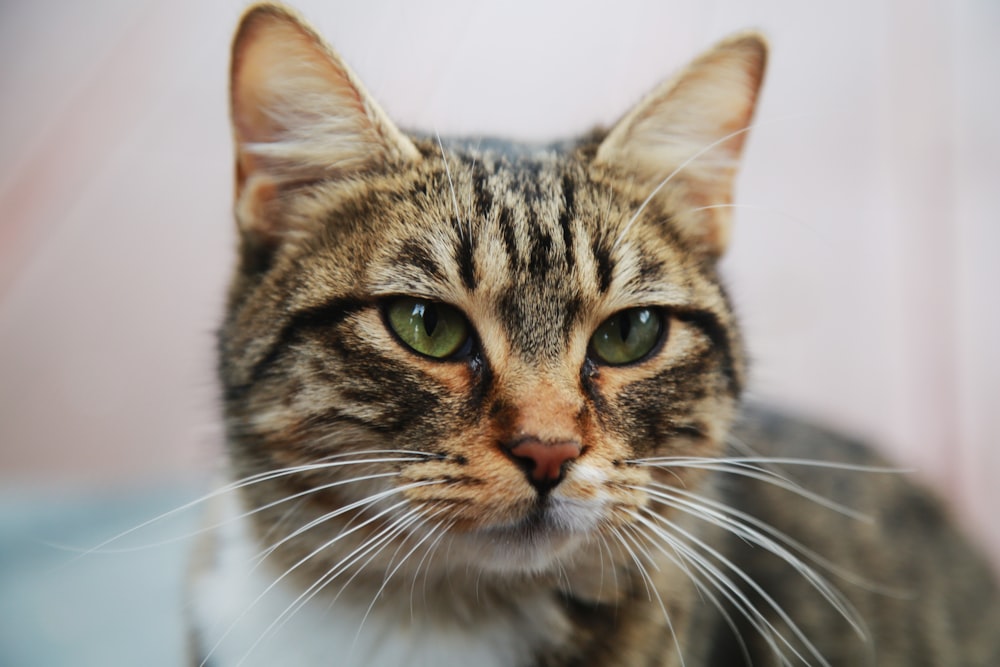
628,336
430,328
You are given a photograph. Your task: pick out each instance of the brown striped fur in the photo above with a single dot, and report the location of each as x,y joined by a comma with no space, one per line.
537,246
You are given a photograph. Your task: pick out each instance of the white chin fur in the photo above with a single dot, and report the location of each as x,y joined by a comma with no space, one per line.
536,547
235,619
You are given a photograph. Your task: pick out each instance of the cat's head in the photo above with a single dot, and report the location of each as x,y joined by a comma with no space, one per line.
477,339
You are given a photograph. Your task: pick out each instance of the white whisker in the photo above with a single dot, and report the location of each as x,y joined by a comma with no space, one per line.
670,177
614,568
385,582
257,478
682,562
743,576
600,553
682,166
335,513
451,185
329,515
751,460
362,503
834,597
420,565
697,502
724,585
651,586
373,543
753,207
746,468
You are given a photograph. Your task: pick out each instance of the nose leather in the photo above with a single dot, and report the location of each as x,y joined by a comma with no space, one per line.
546,459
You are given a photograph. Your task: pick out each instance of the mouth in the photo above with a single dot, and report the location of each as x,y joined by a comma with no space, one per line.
537,525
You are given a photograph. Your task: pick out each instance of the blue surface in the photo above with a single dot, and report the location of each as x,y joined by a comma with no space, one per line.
58,607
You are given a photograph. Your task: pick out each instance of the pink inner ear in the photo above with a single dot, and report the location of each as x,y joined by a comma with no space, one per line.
683,142
272,57
284,82
298,112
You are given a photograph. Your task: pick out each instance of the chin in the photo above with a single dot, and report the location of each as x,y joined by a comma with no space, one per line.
538,544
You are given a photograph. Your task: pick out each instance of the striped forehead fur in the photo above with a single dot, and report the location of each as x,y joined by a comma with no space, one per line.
530,232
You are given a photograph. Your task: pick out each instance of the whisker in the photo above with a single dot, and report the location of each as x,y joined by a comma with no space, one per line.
725,585
682,563
600,553
325,463
738,516
683,165
255,601
337,512
749,460
345,563
754,207
834,597
284,519
643,551
451,185
743,468
562,577
479,576
375,543
372,548
231,519
614,570
635,559
385,582
756,587
367,501
670,177
650,585
416,573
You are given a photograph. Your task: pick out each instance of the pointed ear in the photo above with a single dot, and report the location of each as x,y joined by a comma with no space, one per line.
298,112
683,142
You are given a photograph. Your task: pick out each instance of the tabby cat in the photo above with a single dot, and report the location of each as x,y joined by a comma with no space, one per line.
483,407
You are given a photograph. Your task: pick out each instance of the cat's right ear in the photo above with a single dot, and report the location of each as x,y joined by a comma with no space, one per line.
299,115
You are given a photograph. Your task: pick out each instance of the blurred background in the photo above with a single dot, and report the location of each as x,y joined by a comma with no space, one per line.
863,260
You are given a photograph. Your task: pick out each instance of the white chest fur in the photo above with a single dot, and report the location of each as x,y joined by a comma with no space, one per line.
238,622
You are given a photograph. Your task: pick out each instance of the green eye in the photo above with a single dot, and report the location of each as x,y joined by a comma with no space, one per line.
627,336
428,327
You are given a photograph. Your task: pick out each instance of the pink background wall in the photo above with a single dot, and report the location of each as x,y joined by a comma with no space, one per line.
863,261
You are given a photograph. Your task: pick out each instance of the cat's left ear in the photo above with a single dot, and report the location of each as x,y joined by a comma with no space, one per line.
681,145
299,115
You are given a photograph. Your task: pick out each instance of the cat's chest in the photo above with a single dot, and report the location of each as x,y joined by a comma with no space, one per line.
248,616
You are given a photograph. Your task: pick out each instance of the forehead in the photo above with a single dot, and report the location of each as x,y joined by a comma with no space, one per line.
524,238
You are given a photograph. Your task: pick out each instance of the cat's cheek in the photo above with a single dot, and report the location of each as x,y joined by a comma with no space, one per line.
456,378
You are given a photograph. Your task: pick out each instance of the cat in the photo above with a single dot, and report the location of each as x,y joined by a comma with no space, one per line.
483,407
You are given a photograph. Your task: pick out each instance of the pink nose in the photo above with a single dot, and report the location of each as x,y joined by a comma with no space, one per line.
545,459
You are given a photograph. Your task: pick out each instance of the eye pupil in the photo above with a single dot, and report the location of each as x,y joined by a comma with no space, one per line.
624,326
430,319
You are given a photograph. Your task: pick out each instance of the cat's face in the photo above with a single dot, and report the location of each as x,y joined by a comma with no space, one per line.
473,343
